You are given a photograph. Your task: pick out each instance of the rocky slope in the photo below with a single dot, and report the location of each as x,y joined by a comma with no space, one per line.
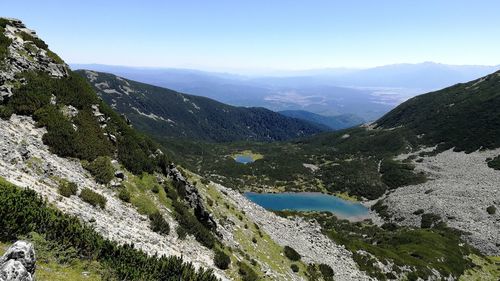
460,189
27,161
25,55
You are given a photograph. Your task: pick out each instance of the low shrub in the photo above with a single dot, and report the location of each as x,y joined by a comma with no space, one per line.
124,195
65,235
191,224
291,254
93,198
494,163
491,210
418,212
37,41
181,232
221,259
158,223
326,271
429,220
67,188
102,169
294,267
246,272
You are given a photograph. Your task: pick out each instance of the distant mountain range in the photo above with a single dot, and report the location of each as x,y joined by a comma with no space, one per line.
365,93
166,113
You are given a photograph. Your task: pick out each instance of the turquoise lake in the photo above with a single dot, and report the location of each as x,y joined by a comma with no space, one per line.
244,159
308,201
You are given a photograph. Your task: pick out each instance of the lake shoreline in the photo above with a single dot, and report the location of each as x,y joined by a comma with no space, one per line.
311,202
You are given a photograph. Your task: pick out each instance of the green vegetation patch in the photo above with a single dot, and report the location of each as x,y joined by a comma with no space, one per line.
396,174
101,169
291,254
486,268
93,198
159,224
37,41
494,163
424,249
221,259
122,262
4,43
90,139
67,188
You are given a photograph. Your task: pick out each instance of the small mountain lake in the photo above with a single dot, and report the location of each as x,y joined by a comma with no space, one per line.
243,159
309,201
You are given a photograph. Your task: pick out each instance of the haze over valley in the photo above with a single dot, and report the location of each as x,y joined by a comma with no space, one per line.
249,140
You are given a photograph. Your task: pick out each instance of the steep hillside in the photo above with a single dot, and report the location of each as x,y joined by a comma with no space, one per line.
465,116
165,113
100,201
337,122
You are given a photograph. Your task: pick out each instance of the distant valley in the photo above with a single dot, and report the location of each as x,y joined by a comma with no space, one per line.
365,93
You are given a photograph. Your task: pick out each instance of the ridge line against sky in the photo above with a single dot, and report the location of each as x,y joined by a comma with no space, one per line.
260,34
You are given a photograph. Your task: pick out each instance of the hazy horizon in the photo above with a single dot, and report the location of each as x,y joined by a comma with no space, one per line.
233,36
274,71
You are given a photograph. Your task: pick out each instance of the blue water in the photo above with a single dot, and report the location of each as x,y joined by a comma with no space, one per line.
244,159
307,201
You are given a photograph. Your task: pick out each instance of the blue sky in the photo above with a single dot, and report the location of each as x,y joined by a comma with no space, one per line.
265,34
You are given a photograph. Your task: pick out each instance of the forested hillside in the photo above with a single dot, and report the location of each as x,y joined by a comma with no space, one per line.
465,116
164,113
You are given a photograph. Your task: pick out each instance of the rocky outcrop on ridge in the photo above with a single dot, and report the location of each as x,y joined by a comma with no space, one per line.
18,263
192,196
24,55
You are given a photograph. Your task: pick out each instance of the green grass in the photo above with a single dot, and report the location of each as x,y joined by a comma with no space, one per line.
486,269
141,198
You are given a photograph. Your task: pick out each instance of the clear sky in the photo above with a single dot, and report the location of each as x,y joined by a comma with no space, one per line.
265,34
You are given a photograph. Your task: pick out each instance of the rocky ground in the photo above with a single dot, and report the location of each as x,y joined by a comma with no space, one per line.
27,162
304,236
460,188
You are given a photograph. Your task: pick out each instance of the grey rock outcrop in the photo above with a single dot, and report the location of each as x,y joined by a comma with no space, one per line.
18,263
23,56
192,196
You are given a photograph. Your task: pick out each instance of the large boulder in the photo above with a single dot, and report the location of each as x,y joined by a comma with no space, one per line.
18,263
13,270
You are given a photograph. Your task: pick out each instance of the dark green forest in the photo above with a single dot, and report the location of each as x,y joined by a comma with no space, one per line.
176,115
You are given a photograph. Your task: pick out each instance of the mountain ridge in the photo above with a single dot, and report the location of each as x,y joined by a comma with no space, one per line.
166,113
